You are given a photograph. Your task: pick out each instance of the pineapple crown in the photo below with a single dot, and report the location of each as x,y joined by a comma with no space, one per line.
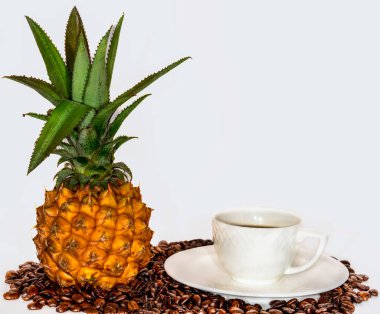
80,128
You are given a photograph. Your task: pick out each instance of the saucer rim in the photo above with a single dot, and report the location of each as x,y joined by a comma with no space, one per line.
255,295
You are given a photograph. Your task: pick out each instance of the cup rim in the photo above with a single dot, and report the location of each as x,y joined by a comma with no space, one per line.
253,209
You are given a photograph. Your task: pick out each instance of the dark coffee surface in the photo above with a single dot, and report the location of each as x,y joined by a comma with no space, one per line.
253,226
153,291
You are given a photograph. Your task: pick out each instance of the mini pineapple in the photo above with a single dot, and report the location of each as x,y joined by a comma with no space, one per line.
93,227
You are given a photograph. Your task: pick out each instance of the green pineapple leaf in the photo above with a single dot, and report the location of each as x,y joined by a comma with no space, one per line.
103,116
124,167
81,69
97,92
55,66
72,160
88,141
62,160
74,30
45,89
121,175
103,155
113,49
38,116
116,124
62,153
68,148
87,119
64,118
120,140
62,175
71,182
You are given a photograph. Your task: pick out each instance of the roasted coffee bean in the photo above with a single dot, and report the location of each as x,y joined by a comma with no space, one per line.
288,310
11,275
11,295
235,310
47,293
328,306
84,305
35,306
91,310
78,298
364,295
346,263
75,308
311,301
52,303
303,304
99,303
362,287
109,310
65,298
25,297
86,295
63,307
39,298
347,287
364,277
310,309
277,304
357,299
374,292
197,299
275,311
348,305
112,304
292,301
251,311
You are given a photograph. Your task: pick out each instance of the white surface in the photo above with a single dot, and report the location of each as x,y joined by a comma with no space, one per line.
325,275
279,107
263,255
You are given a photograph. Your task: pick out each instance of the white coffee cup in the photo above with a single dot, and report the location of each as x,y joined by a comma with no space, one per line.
258,245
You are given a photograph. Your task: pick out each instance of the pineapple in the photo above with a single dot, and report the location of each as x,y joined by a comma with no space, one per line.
93,227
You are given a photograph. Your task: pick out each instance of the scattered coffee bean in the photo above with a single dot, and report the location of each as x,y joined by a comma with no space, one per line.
275,311
32,291
11,295
364,295
35,306
11,275
374,292
91,310
362,287
75,308
78,298
52,303
154,292
288,310
99,303
277,304
63,307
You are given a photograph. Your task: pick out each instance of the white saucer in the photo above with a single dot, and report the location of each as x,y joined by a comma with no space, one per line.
199,268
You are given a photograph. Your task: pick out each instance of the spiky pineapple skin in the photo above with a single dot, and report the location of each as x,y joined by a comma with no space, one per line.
95,236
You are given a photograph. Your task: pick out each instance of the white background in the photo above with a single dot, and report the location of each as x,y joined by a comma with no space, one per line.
279,107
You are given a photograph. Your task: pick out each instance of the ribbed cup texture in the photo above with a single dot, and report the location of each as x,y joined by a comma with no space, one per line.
254,254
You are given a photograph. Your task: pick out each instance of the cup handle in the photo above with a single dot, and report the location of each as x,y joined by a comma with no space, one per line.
302,235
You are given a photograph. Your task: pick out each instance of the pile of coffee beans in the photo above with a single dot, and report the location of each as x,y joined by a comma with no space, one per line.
153,291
